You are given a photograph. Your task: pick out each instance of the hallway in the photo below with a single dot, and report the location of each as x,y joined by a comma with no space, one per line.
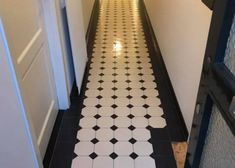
124,117
122,102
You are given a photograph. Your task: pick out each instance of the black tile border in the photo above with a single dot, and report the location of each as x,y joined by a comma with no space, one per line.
163,152
176,126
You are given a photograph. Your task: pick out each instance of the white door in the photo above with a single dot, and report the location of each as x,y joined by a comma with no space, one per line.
77,37
25,33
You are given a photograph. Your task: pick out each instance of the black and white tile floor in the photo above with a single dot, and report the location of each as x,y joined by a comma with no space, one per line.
121,104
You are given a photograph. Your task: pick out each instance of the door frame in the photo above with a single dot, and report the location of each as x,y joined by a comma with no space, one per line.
56,52
217,85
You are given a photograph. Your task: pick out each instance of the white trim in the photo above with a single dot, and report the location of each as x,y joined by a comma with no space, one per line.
56,52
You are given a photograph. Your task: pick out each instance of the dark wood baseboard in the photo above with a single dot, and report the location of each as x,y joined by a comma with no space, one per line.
53,138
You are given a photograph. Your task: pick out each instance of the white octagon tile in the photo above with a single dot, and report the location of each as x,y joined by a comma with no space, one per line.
105,122
138,111
140,122
89,111
141,134
91,102
123,134
122,122
106,111
122,111
82,162
121,102
85,134
157,122
103,162
123,162
123,148
104,134
143,148
155,111
92,93
104,148
106,102
153,101
84,148
144,162
87,122
137,102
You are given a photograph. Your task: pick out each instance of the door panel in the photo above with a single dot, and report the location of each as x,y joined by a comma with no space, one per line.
217,86
25,32
78,39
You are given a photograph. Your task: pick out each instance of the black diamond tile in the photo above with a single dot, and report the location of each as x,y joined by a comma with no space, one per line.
100,81
96,128
99,97
114,88
74,155
113,141
146,106
131,128
101,74
128,81
114,74
98,106
97,116
133,155
149,127
132,141
143,88
147,116
130,116
128,88
130,106
93,155
129,97
114,81
114,116
114,97
114,127
144,97
114,106
113,155
100,88
94,141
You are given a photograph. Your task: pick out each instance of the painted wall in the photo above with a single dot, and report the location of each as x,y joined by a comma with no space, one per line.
87,10
181,28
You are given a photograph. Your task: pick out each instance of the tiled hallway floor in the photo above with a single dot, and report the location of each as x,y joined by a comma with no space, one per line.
122,102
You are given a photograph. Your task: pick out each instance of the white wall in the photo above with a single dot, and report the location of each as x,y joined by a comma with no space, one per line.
181,28
87,6
16,144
